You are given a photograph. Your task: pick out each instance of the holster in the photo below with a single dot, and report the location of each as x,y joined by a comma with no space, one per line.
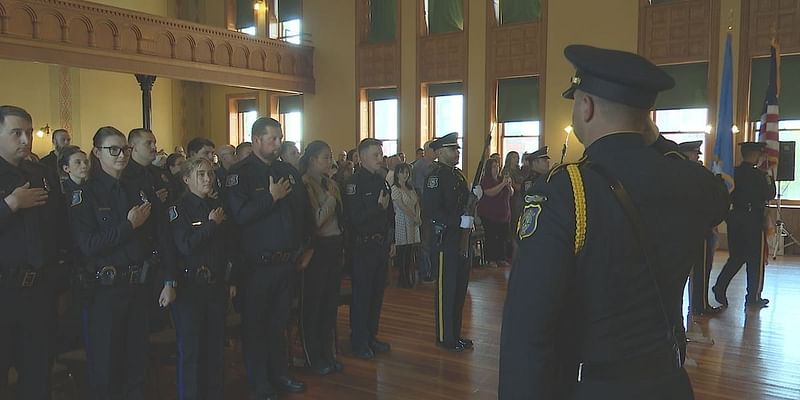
439,230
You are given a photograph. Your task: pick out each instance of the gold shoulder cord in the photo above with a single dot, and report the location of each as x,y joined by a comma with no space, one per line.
579,196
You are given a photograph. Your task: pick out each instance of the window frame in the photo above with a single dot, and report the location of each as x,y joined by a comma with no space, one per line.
236,127
706,157
501,130
432,124
371,123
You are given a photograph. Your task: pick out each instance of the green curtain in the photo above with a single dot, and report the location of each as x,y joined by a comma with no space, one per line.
244,14
513,11
381,94
288,10
246,105
445,16
382,20
691,87
518,99
789,98
445,89
290,104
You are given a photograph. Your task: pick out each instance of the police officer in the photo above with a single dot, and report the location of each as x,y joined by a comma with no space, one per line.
141,170
206,245
268,201
74,165
746,241
202,147
538,164
593,303
444,199
118,235
368,207
29,263
704,253
61,139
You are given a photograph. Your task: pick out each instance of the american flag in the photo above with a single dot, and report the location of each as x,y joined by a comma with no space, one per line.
768,132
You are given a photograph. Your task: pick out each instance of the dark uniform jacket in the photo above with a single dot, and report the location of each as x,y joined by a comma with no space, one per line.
267,226
579,290
99,219
365,217
445,197
201,242
31,237
752,189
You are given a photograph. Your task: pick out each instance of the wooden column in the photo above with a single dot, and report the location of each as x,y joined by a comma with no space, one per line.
146,83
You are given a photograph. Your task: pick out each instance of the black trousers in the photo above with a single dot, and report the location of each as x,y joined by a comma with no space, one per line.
674,386
27,322
370,265
319,291
496,239
746,244
116,325
701,274
199,315
451,289
265,313
406,262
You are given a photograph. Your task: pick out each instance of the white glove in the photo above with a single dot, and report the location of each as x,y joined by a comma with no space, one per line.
477,191
467,222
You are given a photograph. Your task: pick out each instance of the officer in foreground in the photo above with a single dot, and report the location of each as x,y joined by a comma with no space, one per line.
593,304
444,200
746,241
268,201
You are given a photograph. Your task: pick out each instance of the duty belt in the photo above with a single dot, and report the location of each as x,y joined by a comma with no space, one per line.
278,257
20,276
201,275
376,237
116,275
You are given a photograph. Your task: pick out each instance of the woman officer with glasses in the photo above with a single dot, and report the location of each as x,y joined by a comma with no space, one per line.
117,235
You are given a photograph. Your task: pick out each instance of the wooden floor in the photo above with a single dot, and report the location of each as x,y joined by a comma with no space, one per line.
756,354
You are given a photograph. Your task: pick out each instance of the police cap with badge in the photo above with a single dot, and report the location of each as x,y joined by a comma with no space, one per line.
541,153
449,140
752,147
690,147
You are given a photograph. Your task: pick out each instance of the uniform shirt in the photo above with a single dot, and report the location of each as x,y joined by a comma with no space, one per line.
29,237
599,305
365,215
527,182
148,178
445,195
200,241
752,189
267,225
99,218
50,161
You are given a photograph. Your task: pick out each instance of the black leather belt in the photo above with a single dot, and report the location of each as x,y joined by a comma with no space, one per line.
377,237
642,367
122,275
24,277
278,257
202,275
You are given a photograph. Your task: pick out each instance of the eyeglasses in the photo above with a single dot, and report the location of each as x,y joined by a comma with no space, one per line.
115,151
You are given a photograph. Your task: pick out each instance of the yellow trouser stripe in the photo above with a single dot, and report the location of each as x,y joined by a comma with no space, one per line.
578,194
762,267
705,281
441,306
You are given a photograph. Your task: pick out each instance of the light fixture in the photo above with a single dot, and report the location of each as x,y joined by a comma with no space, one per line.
258,5
735,129
45,130
568,129
709,128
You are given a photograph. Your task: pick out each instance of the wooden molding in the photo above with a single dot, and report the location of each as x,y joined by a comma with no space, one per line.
675,32
88,35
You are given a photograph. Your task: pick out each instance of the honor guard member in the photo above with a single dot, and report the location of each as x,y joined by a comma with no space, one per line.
368,207
753,188
701,270
268,201
444,199
206,244
29,265
118,235
593,303
538,165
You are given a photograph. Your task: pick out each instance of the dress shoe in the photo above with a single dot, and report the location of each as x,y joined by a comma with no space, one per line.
458,347
364,354
287,384
379,347
467,343
337,366
321,369
720,297
759,303
710,310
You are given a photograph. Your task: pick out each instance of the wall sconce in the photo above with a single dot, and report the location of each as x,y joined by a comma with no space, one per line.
568,129
45,130
735,129
709,128
258,5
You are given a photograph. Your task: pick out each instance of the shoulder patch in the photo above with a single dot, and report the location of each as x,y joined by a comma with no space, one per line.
433,182
232,180
173,213
529,221
535,198
350,189
77,197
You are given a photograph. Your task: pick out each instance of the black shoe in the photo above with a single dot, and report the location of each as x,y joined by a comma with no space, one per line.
337,366
322,369
289,385
364,354
759,303
458,347
711,310
379,347
467,343
720,297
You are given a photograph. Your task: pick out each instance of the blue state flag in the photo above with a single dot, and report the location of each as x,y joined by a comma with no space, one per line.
722,163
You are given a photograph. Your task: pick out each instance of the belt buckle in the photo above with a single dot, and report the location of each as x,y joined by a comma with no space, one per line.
29,279
133,274
204,274
107,275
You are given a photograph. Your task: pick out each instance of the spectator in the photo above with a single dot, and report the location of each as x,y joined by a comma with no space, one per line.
495,212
